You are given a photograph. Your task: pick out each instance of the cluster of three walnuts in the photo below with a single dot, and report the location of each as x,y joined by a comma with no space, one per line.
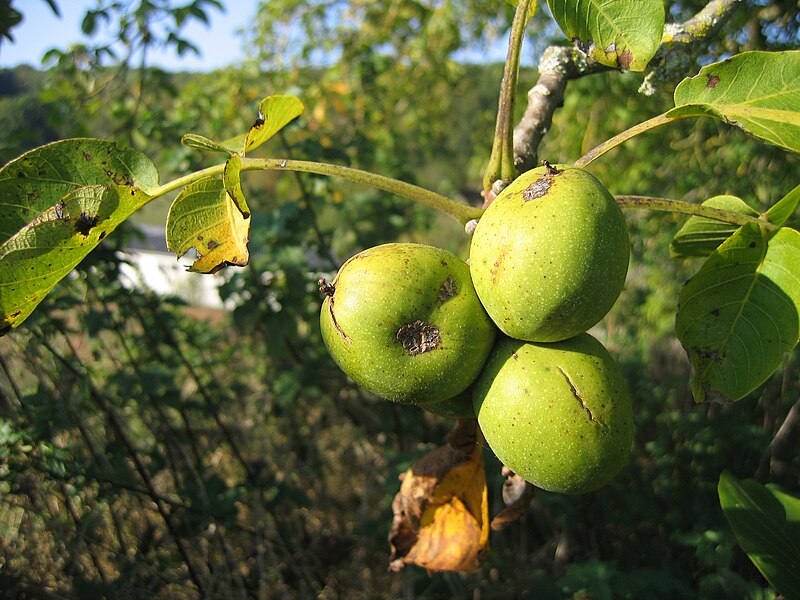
502,338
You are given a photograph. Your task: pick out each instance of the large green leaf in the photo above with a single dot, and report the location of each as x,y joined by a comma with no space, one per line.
39,255
766,522
739,314
622,34
39,179
205,217
757,91
700,236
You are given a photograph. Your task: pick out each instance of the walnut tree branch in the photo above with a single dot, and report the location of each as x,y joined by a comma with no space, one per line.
561,64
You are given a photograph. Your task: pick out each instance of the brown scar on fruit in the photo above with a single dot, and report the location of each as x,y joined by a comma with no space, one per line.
713,81
582,402
497,263
542,185
447,290
328,289
418,337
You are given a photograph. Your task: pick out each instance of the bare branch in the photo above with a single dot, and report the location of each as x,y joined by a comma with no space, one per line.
682,43
559,65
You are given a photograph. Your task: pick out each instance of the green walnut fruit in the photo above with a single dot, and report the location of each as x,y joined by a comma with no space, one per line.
458,407
557,414
404,322
550,255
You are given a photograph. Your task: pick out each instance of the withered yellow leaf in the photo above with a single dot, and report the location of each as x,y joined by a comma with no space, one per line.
205,217
441,515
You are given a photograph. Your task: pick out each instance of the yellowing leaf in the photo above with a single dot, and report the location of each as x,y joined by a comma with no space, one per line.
39,255
205,217
441,515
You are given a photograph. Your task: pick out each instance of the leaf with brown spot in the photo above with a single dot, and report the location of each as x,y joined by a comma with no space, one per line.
36,181
441,515
205,217
40,254
759,92
621,34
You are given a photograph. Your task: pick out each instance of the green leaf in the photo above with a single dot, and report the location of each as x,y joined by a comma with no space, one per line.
199,142
39,178
38,256
231,178
739,313
274,113
205,217
622,34
766,523
756,91
700,236
783,210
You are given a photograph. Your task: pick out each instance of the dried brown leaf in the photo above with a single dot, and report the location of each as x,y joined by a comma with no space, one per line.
441,516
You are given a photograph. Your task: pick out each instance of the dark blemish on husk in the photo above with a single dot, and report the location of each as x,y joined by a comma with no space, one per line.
418,337
447,290
212,244
713,81
87,157
582,402
538,188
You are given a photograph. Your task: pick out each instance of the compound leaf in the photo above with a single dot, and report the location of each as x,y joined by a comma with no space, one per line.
40,254
40,178
738,315
700,236
766,522
756,91
622,34
205,217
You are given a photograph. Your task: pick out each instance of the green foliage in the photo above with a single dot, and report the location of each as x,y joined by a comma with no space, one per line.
623,35
740,313
766,522
757,91
700,236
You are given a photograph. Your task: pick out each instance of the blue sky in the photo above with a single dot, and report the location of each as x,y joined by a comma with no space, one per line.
41,30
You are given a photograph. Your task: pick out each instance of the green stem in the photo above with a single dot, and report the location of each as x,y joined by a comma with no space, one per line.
501,162
688,208
618,139
180,182
459,211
